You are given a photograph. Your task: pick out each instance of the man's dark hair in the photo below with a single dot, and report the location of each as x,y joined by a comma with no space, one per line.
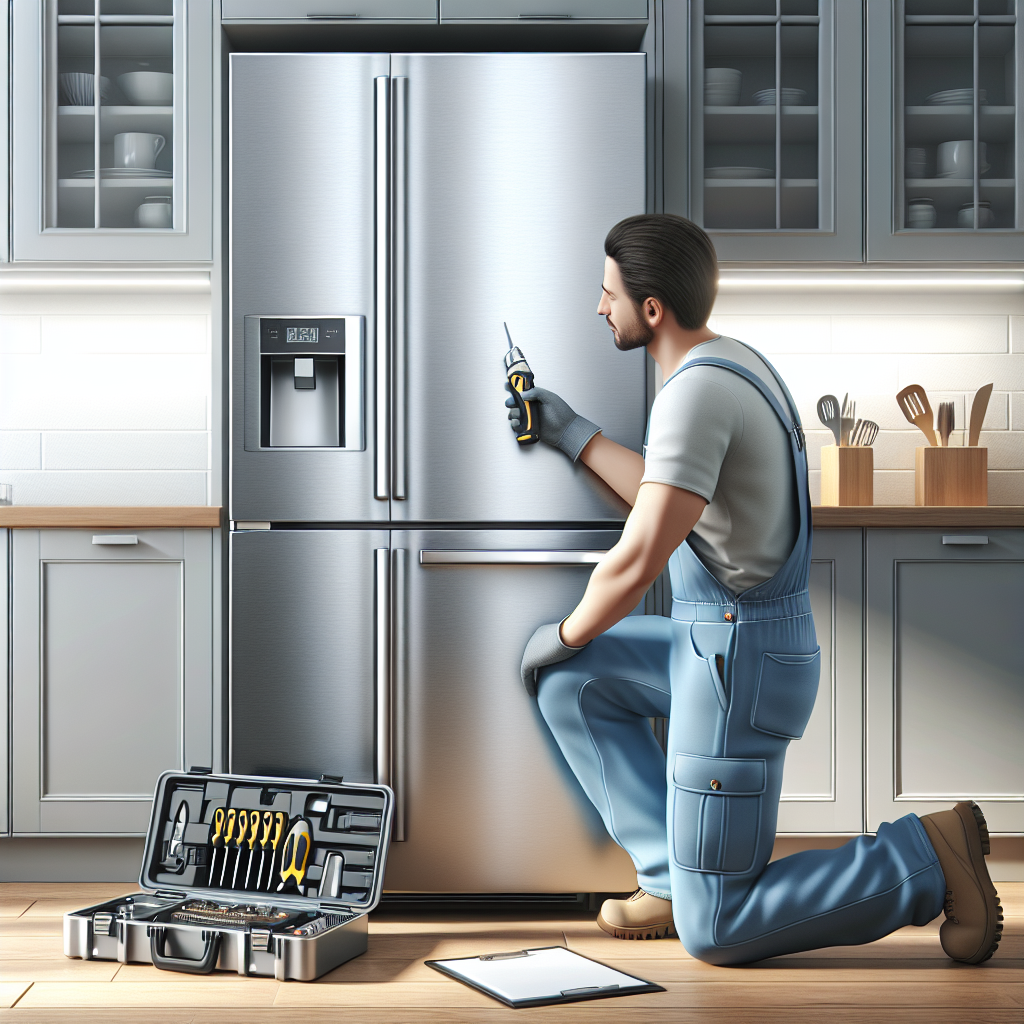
670,259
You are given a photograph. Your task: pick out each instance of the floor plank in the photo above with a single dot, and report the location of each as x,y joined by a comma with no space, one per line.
12,991
195,992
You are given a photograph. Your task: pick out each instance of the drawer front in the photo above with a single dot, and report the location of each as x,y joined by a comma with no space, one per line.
371,10
543,10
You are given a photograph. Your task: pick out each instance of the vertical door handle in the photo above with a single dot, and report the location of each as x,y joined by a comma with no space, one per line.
399,93
382,663
382,282
400,681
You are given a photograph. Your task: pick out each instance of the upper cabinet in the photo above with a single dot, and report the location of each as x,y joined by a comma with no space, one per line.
125,171
763,137
542,10
945,147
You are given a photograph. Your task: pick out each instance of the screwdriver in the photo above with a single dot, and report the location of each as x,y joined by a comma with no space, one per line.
268,821
229,831
217,840
296,854
280,819
243,827
254,827
520,379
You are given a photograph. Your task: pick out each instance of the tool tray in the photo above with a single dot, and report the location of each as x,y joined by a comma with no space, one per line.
290,907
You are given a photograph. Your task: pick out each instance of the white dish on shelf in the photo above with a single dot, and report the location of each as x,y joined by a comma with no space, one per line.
147,88
956,98
790,97
722,87
78,87
738,172
124,172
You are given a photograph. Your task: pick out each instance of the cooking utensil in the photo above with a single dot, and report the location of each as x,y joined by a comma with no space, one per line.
828,413
864,433
296,854
846,420
913,403
229,831
978,409
946,419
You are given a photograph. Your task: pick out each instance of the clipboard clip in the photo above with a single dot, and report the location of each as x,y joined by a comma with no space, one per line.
503,956
589,989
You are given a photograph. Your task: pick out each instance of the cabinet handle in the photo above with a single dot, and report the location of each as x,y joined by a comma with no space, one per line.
494,557
964,539
399,673
382,663
382,236
115,538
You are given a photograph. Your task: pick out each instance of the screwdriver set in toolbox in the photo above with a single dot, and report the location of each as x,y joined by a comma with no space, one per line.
253,874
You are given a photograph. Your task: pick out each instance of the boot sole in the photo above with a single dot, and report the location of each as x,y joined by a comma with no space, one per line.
659,931
978,852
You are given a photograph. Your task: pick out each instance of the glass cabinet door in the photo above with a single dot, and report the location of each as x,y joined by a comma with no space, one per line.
113,175
954,137
766,180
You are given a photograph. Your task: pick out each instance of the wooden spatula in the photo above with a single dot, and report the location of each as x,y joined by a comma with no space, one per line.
978,410
913,402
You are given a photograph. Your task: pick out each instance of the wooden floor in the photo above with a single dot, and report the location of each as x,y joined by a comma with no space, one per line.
904,977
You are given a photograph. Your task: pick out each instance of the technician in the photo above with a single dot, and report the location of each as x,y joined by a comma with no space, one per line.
721,496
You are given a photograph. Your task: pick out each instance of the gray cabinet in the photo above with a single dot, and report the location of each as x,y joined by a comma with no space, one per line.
112,673
125,171
822,788
768,180
945,673
330,10
543,10
5,690
945,92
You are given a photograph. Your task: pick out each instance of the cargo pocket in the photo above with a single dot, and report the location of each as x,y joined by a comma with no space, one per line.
784,698
716,812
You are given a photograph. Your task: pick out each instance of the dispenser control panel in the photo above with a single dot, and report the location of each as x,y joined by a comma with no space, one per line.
301,335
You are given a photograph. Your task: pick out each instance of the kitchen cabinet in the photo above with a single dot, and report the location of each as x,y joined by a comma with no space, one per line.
767,181
822,788
112,673
945,93
543,10
5,690
149,131
945,673
330,10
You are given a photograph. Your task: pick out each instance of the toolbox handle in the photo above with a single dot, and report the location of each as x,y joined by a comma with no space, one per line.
174,963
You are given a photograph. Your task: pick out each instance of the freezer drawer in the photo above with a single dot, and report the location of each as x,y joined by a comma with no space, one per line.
486,801
304,642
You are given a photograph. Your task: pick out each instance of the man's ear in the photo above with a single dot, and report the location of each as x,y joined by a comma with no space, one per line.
652,311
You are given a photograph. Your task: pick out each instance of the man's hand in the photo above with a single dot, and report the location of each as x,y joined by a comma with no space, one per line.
545,647
560,427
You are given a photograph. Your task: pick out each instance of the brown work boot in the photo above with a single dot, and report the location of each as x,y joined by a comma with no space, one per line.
642,916
974,919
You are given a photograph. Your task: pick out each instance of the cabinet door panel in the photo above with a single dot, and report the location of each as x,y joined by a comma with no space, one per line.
945,675
541,10
821,787
376,10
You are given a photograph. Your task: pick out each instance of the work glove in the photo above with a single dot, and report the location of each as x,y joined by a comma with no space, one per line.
560,427
544,648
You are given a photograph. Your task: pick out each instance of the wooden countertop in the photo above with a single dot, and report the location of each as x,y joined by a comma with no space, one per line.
149,516
109,516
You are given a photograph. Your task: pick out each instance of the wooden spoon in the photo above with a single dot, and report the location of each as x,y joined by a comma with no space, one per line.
913,403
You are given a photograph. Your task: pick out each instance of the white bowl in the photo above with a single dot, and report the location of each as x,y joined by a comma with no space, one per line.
155,212
790,97
147,88
722,87
78,89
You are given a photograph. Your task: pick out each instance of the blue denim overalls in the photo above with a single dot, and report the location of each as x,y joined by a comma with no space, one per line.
700,826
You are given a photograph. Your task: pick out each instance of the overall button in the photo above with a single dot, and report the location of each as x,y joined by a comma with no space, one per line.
715,784
728,616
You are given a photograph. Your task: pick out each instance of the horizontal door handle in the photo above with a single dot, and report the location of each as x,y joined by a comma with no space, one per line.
964,539
115,538
495,557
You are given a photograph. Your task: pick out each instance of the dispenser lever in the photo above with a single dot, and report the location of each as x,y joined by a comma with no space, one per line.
305,376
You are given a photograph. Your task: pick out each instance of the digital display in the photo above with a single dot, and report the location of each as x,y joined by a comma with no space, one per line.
308,335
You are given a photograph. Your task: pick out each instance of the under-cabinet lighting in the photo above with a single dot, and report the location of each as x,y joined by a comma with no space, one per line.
741,282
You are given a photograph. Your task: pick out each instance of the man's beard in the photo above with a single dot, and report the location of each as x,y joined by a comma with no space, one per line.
634,335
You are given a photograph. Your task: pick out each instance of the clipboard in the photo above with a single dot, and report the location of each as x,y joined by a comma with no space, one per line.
541,976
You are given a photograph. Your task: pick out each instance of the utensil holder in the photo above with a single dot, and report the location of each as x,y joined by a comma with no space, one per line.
951,476
847,475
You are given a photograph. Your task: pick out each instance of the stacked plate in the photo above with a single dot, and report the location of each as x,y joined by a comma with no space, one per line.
790,98
124,172
722,87
956,98
738,172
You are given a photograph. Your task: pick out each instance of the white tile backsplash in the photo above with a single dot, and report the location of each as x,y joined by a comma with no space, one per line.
77,335
55,487
1017,334
126,450
931,334
777,333
1005,487
962,372
19,334
20,449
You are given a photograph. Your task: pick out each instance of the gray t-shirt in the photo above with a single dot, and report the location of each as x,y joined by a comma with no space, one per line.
712,432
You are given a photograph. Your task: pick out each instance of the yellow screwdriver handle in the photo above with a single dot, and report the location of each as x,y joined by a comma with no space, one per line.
243,826
218,827
268,822
229,829
281,819
254,828
296,854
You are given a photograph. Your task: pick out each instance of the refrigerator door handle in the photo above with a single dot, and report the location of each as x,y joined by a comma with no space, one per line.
400,681
491,556
382,663
399,93
382,262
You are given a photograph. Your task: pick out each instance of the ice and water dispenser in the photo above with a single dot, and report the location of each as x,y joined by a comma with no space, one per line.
303,382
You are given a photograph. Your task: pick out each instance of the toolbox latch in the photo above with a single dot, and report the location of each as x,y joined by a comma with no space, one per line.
332,778
260,938
199,769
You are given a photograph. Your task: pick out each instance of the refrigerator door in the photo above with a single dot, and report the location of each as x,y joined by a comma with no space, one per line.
308,620
509,171
309,203
484,799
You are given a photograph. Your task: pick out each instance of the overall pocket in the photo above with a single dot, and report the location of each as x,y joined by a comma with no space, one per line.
716,812
784,699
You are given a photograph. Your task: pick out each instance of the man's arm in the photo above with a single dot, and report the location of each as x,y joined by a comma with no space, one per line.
620,468
660,521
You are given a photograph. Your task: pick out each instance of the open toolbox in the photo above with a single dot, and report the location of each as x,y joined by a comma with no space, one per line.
251,874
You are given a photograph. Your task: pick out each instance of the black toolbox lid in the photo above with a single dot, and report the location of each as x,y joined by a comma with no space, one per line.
353,819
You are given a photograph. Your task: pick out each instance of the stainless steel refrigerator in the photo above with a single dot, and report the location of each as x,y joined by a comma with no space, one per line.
392,546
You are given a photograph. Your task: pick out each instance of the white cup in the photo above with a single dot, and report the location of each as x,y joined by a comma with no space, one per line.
137,149
956,159
155,212
921,214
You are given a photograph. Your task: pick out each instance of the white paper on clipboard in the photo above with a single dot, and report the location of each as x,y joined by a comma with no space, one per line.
548,974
